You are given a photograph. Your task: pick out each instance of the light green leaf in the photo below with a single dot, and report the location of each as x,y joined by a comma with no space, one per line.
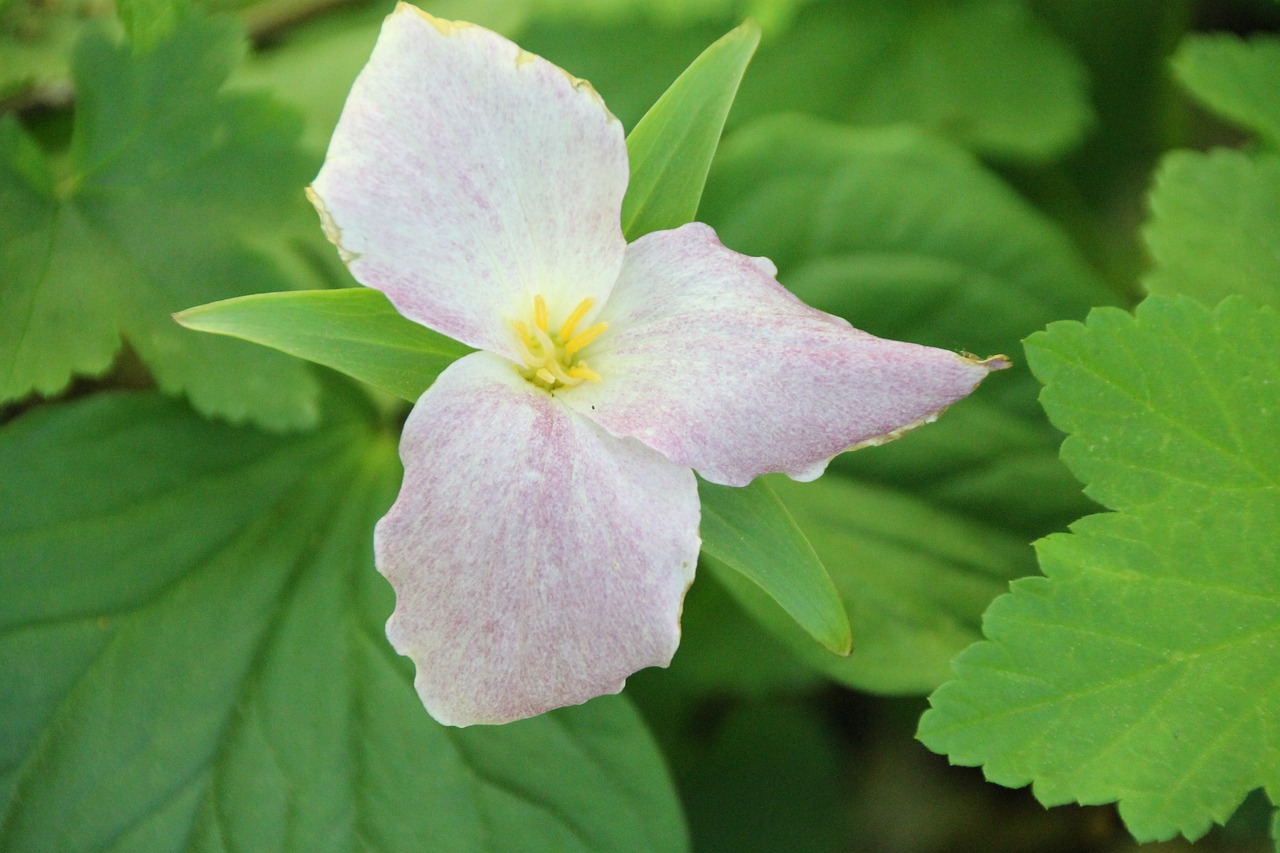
1238,79
166,179
915,581
1145,666
672,146
148,22
192,644
353,330
750,531
1215,225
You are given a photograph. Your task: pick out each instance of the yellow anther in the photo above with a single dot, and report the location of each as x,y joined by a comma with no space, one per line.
571,322
548,357
540,312
587,336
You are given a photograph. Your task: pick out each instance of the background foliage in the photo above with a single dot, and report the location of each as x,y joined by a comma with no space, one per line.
191,650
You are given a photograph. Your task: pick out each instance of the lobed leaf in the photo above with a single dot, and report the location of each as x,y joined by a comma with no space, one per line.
192,642
1143,667
166,180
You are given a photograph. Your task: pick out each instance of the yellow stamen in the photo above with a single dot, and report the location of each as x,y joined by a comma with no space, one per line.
588,335
571,322
546,376
540,312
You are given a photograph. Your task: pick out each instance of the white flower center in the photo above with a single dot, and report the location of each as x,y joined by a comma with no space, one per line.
550,358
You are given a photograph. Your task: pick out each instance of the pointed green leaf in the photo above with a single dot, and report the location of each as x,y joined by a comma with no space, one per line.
1215,225
913,580
672,146
750,531
193,658
1144,667
353,330
1238,79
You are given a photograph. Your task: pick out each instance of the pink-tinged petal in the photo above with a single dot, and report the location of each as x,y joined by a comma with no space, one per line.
467,176
537,560
712,362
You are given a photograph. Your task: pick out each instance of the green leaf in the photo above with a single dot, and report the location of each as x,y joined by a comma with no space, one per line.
1143,667
165,181
672,146
749,530
192,644
149,22
1238,79
1215,225
354,330
986,74
915,581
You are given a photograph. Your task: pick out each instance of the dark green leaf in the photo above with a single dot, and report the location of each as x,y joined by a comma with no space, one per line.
192,644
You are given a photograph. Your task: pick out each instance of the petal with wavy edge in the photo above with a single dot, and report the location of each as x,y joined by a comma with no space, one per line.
537,560
711,362
465,176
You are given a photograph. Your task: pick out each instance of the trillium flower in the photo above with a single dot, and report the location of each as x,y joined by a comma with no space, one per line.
547,526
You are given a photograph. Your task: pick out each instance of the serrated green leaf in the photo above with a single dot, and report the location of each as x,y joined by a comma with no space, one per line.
915,581
909,237
192,644
1238,79
354,330
1143,667
671,148
750,531
165,180
1215,225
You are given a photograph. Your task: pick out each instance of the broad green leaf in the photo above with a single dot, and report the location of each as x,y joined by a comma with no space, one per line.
909,237
354,330
1143,667
915,581
983,73
1215,225
749,530
1238,79
165,180
191,642
672,146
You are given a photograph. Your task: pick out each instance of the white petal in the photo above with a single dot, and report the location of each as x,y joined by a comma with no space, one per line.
710,361
466,176
537,561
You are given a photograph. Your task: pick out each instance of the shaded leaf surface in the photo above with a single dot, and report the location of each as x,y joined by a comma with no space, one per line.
164,180
192,640
915,581
1143,667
